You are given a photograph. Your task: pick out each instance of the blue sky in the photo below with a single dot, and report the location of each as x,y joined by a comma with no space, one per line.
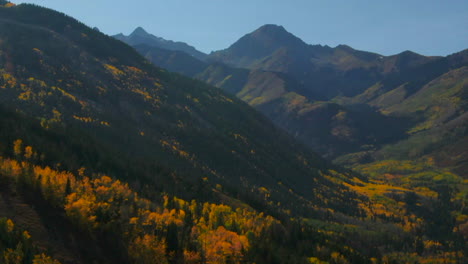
429,27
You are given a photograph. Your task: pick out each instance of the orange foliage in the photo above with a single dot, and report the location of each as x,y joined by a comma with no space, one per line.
218,231
28,152
113,70
18,147
220,245
81,209
44,259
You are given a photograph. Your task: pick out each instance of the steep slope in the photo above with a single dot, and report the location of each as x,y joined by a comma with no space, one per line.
440,108
332,129
82,219
432,97
408,81
140,37
71,75
91,226
255,87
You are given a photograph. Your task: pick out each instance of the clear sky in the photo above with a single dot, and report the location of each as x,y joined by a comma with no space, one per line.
429,27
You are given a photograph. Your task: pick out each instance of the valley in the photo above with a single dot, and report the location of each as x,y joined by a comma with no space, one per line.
137,149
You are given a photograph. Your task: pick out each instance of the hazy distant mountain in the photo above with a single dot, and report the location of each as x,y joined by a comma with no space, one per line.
253,47
140,36
325,71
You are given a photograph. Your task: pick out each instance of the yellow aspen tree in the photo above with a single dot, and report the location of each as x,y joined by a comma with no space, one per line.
17,147
44,259
28,152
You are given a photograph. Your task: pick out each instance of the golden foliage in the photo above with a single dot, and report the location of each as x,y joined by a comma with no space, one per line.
28,152
84,119
219,231
44,259
11,256
9,81
10,226
18,147
221,245
175,147
113,70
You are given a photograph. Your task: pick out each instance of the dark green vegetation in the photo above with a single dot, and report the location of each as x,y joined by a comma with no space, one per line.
348,105
193,175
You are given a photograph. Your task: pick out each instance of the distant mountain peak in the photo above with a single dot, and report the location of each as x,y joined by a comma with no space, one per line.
259,44
275,33
139,31
271,28
410,54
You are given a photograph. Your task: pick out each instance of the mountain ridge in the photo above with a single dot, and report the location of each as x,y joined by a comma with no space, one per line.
141,36
337,75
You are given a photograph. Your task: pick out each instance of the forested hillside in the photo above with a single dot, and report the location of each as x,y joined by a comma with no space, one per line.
81,216
106,158
73,76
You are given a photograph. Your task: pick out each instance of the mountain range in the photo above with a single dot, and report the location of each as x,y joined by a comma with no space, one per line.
108,158
348,105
